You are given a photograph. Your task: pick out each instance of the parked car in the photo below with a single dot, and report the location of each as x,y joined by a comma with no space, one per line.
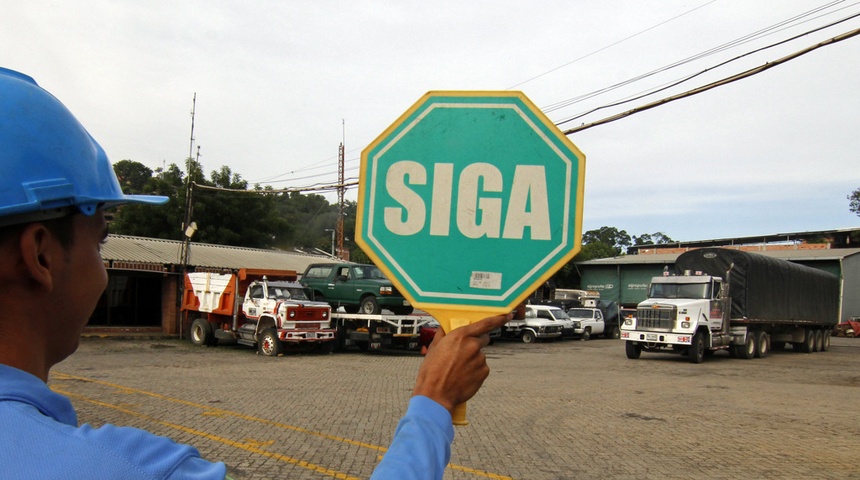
428,331
587,321
531,328
555,314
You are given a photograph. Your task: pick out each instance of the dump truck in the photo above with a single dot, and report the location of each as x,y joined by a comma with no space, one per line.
262,308
725,299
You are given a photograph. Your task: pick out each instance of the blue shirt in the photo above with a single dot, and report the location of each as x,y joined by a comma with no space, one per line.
40,439
422,443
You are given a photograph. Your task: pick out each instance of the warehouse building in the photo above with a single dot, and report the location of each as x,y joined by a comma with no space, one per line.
145,275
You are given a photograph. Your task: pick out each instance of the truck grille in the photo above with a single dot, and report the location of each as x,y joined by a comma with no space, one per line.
659,318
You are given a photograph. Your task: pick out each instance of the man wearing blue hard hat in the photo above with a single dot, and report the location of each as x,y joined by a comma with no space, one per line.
56,182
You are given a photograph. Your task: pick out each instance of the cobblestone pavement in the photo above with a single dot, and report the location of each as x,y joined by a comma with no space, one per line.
559,410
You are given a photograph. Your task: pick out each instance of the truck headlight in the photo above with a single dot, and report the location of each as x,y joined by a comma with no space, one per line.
628,321
385,290
685,324
292,314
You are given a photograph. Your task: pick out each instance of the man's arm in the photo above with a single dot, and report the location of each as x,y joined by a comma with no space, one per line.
453,371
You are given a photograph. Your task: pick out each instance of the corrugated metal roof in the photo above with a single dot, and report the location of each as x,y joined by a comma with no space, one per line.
123,248
798,255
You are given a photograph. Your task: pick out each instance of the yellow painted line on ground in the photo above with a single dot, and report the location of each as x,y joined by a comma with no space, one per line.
207,410
251,447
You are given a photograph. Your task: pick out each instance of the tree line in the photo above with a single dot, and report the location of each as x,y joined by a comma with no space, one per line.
268,219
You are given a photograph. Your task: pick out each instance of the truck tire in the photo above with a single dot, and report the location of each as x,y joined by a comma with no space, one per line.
613,332
825,340
586,334
633,350
748,349
528,337
269,344
762,344
202,333
696,353
808,344
818,340
369,305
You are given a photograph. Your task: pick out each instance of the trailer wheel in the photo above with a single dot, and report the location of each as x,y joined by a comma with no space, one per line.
748,349
697,349
269,344
528,337
201,333
825,340
369,305
818,341
808,344
633,350
762,344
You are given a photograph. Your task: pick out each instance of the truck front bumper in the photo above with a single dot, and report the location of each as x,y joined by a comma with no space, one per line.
659,338
297,336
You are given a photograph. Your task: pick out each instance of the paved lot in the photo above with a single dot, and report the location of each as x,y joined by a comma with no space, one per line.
559,410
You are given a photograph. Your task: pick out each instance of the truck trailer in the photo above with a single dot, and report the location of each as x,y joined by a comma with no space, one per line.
261,308
724,299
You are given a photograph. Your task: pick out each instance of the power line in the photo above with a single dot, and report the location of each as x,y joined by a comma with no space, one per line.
726,46
702,72
719,83
610,45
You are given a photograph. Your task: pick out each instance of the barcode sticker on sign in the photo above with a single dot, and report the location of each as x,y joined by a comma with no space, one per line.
486,280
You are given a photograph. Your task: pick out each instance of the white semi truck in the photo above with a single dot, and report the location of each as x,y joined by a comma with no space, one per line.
724,299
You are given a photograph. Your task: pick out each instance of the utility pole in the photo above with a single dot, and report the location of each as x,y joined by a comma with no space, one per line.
340,192
185,253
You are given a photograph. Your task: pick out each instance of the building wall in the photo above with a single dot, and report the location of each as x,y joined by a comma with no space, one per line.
850,287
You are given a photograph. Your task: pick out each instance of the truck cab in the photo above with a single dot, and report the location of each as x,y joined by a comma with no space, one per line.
280,312
532,328
678,309
587,321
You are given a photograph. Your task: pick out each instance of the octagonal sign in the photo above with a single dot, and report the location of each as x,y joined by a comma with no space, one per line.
470,200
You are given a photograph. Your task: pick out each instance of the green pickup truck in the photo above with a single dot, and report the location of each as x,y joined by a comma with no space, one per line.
358,288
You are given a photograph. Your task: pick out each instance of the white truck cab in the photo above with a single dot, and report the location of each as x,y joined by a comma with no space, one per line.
587,321
555,314
532,328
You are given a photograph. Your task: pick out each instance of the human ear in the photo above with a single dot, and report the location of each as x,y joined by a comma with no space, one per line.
39,250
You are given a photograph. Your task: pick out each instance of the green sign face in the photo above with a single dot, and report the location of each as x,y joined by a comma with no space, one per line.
470,199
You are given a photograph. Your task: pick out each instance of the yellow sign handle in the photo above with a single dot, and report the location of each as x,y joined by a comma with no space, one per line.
458,417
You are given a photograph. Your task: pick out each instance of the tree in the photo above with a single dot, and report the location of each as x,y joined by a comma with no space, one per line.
854,202
604,242
657,238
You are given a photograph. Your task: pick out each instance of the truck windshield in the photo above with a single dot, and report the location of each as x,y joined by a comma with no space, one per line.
286,293
680,290
368,271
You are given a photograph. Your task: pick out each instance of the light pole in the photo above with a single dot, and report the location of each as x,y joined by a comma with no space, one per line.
333,231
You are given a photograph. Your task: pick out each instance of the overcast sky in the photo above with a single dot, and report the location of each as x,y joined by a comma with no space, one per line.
280,84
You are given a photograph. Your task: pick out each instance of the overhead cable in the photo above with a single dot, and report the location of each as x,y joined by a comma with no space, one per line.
719,83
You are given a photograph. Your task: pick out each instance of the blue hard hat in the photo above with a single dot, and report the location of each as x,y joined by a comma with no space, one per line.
50,164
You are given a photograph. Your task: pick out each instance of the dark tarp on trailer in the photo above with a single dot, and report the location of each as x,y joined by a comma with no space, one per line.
764,288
